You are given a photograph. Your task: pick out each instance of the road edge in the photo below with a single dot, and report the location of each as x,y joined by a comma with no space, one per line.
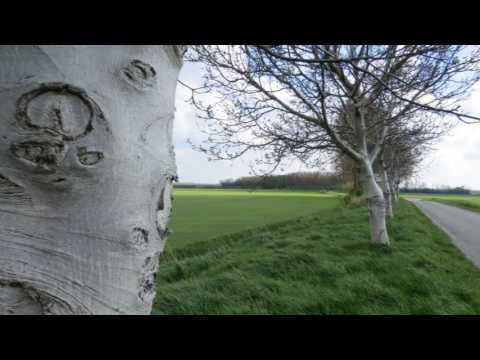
452,237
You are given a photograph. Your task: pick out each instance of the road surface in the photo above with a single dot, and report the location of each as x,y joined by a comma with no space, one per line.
463,226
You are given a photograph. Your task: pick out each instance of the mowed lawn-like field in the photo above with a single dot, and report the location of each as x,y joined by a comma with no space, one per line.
470,202
306,253
202,214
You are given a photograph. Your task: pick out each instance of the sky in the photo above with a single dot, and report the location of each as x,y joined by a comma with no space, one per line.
454,162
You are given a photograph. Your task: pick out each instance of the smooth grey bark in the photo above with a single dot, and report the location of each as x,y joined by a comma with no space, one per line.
385,185
86,172
371,189
394,187
376,204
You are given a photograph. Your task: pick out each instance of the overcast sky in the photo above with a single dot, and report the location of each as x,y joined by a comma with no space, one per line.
455,162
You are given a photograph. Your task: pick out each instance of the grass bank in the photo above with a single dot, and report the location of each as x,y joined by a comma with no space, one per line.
201,214
468,202
321,264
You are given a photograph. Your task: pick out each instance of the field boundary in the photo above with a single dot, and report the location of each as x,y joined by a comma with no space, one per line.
228,239
458,203
433,221
322,263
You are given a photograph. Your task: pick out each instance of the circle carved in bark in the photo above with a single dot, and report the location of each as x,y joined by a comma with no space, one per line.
58,108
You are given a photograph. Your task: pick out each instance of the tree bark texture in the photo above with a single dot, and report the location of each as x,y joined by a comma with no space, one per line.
376,204
387,192
86,172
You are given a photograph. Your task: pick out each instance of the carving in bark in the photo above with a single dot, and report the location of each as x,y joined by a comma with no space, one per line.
45,155
60,109
139,74
89,158
86,172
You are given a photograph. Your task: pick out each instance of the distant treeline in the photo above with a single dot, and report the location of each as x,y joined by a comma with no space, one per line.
197,186
425,190
298,181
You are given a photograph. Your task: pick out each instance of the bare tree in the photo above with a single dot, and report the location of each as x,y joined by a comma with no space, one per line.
408,141
284,101
86,171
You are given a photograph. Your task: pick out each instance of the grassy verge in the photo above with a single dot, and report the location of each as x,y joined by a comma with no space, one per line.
469,202
464,204
321,264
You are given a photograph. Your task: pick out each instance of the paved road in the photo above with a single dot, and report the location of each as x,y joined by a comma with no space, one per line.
463,226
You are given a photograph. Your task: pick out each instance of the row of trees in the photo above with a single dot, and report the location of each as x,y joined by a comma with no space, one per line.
379,106
298,180
439,190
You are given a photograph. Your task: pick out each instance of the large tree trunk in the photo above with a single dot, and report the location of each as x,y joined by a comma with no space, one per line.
86,171
376,204
371,189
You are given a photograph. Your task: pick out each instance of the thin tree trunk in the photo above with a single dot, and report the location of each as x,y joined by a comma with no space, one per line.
393,183
376,205
86,171
395,191
385,184
392,189
357,183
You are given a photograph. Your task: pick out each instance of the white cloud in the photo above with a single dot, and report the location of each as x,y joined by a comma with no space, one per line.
456,160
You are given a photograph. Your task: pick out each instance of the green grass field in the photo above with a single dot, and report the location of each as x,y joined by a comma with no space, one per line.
322,263
201,214
469,202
